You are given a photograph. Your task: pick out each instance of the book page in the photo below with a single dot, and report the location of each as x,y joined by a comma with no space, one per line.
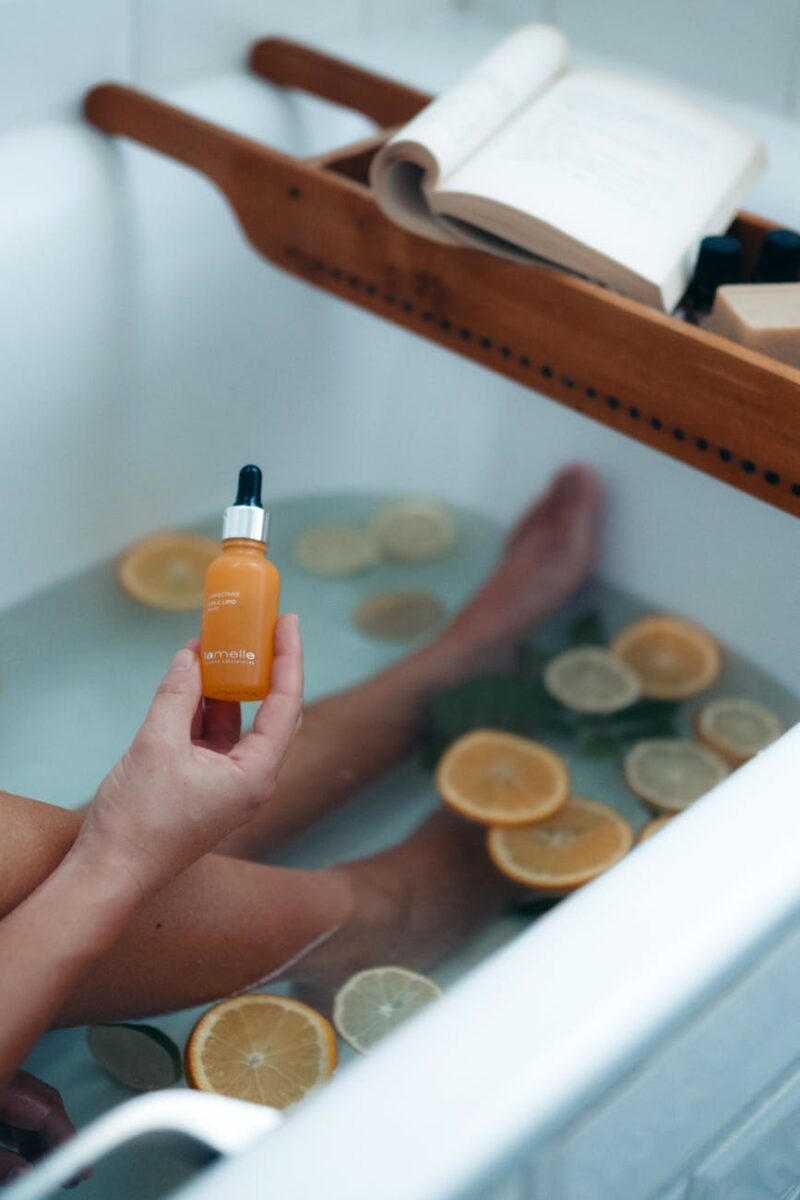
453,126
621,167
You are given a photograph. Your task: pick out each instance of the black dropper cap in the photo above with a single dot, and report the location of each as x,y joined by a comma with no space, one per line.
779,257
249,492
246,517
718,263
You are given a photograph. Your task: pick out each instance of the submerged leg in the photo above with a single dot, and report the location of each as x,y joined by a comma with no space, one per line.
350,738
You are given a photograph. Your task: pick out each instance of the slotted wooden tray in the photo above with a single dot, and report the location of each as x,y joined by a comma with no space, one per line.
725,410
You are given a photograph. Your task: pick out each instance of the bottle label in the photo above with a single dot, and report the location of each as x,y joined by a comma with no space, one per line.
217,600
246,657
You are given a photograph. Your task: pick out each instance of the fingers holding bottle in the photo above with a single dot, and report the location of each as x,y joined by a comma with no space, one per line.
277,721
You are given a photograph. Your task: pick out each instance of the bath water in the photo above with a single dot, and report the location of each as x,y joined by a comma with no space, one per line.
78,666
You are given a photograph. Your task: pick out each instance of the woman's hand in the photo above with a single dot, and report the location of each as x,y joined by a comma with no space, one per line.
188,779
32,1121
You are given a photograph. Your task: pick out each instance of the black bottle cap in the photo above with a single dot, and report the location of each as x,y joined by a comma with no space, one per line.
718,262
779,257
249,492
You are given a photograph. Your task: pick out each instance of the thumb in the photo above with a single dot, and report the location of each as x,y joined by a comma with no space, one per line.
177,698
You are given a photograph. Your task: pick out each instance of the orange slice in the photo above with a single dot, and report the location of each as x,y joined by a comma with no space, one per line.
737,729
592,680
501,779
669,774
673,658
374,1002
268,1049
168,570
580,842
654,826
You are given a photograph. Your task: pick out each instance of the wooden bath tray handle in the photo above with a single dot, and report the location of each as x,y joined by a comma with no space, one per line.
290,64
718,407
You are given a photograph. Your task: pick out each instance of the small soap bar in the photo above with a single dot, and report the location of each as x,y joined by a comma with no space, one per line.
762,316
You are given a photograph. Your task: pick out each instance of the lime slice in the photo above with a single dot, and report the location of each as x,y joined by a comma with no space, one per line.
592,680
374,1002
336,550
415,531
671,773
737,729
140,1057
399,616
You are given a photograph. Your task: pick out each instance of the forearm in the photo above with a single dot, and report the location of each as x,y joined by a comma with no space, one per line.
221,926
88,905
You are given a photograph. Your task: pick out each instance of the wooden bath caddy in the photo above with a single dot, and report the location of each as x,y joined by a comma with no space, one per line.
730,412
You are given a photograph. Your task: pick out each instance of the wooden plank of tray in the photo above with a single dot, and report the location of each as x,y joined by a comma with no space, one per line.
725,410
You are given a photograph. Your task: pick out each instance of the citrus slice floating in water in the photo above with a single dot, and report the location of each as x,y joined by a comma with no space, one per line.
579,842
399,616
267,1049
501,779
592,680
671,773
374,1002
168,570
673,658
737,729
140,1057
415,531
336,550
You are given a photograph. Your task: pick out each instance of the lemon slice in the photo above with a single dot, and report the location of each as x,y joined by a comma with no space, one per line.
399,616
654,826
415,531
502,779
673,658
737,729
267,1049
671,773
140,1057
168,570
373,1003
592,680
336,550
582,840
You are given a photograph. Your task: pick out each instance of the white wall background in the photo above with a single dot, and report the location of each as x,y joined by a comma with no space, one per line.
50,50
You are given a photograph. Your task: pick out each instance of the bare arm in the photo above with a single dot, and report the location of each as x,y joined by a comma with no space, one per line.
48,942
186,782
220,926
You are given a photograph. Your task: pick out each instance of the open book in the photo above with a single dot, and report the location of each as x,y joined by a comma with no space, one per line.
611,178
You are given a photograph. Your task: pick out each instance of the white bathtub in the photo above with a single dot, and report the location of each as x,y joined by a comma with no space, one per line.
145,352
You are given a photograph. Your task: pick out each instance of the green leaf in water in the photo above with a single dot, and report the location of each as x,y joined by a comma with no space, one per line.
588,629
530,658
600,745
518,702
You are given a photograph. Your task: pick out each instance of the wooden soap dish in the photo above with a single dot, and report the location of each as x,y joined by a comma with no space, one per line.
725,410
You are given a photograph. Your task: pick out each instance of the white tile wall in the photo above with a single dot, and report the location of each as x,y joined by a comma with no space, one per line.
51,51
793,97
377,14
736,47
180,40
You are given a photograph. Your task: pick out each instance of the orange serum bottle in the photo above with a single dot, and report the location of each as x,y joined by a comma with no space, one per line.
240,608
